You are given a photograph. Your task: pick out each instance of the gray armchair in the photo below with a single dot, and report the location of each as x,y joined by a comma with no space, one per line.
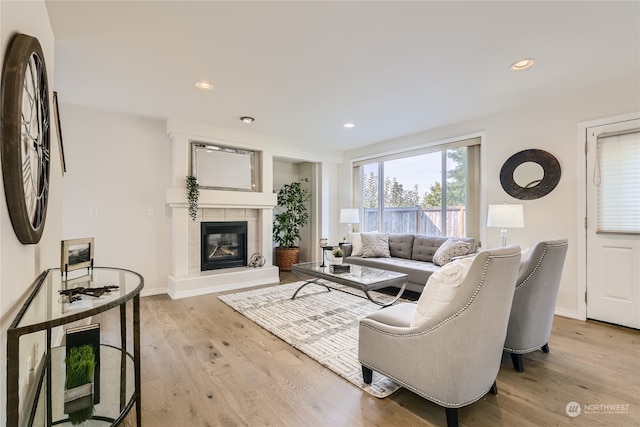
453,358
534,302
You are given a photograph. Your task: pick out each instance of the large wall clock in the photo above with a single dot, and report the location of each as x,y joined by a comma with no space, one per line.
25,137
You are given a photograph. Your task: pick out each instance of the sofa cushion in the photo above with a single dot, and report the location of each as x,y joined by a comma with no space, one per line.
425,246
356,244
417,272
449,249
401,245
440,290
375,245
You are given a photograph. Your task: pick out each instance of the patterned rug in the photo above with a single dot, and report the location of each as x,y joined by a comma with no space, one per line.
321,324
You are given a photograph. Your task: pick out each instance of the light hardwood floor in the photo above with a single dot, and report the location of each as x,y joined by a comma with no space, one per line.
204,364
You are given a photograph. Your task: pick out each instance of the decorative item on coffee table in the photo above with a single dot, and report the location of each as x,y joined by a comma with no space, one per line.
338,254
339,268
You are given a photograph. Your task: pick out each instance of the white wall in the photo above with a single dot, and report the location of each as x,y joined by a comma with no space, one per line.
118,170
550,126
21,264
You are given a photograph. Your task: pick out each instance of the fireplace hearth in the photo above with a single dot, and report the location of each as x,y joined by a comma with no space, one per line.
223,245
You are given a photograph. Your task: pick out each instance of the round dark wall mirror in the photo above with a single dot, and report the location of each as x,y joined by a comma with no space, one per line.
530,174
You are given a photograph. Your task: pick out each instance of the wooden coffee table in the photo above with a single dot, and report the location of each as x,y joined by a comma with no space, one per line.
359,277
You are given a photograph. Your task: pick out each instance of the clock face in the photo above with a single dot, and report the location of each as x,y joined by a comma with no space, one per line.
25,137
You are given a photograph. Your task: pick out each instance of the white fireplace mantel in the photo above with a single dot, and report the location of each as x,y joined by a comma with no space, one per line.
177,197
184,282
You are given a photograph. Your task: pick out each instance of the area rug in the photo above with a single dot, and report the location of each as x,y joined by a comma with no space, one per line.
321,324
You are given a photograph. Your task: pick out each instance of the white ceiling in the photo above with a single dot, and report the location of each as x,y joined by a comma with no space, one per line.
303,68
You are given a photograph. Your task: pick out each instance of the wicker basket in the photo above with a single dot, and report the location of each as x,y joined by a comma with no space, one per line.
285,257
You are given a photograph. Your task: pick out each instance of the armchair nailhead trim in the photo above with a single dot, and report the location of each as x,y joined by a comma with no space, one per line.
429,397
544,252
526,279
528,350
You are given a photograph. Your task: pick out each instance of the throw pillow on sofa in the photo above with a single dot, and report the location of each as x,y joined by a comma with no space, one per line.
440,290
449,249
356,244
375,245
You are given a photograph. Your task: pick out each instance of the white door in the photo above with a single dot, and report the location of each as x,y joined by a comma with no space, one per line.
613,223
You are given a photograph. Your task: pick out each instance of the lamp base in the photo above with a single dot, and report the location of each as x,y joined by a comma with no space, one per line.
503,233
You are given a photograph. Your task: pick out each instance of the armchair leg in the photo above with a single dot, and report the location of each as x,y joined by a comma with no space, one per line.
494,389
545,348
517,362
452,417
367,375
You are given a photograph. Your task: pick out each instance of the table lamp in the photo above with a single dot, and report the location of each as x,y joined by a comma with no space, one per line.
505,216
349,216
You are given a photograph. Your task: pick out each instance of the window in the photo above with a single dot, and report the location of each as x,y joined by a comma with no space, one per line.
617,175
430,191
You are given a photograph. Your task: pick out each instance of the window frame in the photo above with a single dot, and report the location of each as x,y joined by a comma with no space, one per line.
473,186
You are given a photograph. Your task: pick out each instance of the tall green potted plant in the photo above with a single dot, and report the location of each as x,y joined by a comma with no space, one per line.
292,216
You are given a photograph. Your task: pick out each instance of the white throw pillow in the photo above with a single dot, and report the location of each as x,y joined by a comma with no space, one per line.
356,244
449,249
375,245
440,290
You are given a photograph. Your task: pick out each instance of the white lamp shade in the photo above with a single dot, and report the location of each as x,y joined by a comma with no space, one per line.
505,216
349,216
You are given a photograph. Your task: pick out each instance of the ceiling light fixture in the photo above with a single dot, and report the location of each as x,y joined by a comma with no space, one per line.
349,125
247,119
203,85
523,64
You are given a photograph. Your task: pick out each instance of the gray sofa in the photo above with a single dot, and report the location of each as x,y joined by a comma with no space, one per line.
411,254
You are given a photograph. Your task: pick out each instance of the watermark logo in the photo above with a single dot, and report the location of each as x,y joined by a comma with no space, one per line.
573,409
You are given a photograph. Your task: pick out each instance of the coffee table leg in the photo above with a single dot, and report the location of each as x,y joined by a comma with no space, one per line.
307,282
386,304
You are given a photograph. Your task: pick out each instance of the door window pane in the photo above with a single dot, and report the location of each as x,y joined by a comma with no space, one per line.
618,181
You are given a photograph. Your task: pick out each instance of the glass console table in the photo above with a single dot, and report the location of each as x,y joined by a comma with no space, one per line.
45,309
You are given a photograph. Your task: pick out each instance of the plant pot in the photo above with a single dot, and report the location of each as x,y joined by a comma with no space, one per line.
75,393
337,260
286,257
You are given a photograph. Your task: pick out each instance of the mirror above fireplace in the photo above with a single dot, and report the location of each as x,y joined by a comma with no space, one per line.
224,168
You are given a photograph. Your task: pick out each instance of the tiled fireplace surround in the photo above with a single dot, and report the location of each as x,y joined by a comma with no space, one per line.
217,205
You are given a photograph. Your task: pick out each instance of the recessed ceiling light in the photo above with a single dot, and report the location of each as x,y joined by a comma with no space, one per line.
203,85
523,64
247,119
349,125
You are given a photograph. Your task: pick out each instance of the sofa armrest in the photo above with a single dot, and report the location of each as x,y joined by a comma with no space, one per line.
347,248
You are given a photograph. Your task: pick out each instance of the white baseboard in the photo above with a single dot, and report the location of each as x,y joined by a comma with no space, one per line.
154,291
221,280
572,314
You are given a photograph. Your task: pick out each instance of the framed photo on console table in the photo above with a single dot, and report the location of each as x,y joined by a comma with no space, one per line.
76,253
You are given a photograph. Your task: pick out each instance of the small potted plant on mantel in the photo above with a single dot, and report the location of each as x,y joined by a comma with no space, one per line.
292,216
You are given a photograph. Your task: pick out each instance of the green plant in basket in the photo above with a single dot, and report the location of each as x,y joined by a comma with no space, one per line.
338,253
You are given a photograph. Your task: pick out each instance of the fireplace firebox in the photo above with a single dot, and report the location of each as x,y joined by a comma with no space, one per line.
223,245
